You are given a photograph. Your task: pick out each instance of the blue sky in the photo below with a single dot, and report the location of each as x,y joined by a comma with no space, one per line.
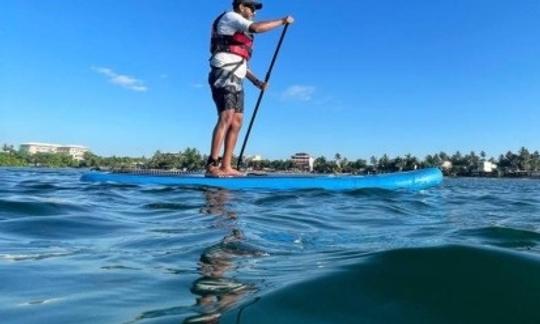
360,78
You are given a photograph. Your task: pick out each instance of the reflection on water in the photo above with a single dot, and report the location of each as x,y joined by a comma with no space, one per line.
216,290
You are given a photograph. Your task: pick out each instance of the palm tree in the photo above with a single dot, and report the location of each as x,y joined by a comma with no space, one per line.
472,161
432,161
321,165
191,159
524,159
383,163
359,165
536,161
399,164
411,162
8,148
512,160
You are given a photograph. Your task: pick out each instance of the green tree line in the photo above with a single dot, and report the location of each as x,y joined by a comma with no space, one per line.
510,163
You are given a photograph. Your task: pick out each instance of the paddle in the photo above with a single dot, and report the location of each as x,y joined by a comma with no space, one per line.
261,94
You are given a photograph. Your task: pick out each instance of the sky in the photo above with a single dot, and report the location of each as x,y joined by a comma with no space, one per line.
355,77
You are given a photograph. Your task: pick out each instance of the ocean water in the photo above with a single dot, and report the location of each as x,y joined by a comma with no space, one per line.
467,251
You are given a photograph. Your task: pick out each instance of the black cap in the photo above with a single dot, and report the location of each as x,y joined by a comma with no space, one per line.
256,4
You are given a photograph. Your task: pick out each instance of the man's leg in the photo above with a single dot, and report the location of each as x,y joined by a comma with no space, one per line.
230,142
221,129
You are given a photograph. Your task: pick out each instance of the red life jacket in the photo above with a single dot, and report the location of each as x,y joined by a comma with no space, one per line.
240,43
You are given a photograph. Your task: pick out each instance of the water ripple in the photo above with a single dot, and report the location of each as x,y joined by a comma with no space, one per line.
170,254
502,236
37,208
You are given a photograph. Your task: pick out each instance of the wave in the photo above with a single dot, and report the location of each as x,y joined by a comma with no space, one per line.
502,236
61,227
170,206
37,208
448,284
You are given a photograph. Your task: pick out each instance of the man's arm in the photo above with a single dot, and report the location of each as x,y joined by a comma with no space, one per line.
256,82
264,26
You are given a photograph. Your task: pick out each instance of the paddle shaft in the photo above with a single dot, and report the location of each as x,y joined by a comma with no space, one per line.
261,94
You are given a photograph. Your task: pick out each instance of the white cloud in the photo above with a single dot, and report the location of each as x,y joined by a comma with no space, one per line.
299,92
121,80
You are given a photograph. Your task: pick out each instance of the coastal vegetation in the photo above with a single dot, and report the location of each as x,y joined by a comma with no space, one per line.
521,163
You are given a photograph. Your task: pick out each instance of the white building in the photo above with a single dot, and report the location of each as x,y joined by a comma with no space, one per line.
446,165
76,151
487,166
33,148
303,161
254,158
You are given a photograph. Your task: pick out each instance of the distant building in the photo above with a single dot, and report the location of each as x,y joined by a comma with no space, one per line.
76,151
254,158
446,165
303,161
487,166
33,148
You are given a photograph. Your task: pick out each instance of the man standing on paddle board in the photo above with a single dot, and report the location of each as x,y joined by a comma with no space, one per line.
231,47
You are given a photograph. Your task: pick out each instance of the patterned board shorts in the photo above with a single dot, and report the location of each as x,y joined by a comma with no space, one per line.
227,90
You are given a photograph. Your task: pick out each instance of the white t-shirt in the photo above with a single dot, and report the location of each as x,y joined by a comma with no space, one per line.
229,24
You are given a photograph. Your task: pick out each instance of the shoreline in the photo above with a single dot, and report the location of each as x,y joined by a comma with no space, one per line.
180,172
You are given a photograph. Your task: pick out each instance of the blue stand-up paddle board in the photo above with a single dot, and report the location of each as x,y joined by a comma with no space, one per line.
419,179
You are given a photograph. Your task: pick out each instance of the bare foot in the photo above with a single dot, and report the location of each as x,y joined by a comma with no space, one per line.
214,172
230,172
